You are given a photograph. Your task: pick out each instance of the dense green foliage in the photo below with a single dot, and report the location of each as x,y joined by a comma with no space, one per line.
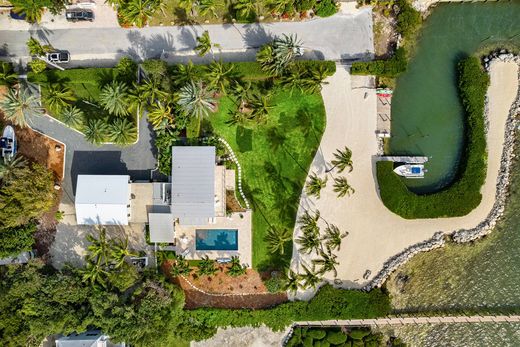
408,18
36,301
328,303
464,194
359,337
326,8
383,68
16,240
27,194
8,76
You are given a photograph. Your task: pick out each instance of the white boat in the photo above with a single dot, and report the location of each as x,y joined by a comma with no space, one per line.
8,143
410,170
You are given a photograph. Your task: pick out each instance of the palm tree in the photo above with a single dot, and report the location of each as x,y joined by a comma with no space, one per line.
206,266
122,131
343,159
119,251
309,242
333,237
342,187
58,97
151,91
315,185
33,9
294,80
19,106
185,73
285,50
99,248
72,116
94,274
138,12
7,75
245,9
114,98
319,73
96,131
291,281
219,75
260,107
236,269
161,116
9,167
310,277
309,223
277,238
327,262
196,100
204,44
180,267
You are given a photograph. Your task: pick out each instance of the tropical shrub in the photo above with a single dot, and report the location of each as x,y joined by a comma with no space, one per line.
384,68
304,5
15,240
126,70
326,8
96,131
7,75
122,131
37,66
463,195
72,116
114,98
58,97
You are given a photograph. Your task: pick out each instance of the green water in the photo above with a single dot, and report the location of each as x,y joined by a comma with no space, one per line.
427,116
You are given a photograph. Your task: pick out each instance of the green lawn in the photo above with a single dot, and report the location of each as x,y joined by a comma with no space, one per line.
275,158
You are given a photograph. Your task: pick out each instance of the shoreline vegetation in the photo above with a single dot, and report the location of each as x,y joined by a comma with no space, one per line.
463,195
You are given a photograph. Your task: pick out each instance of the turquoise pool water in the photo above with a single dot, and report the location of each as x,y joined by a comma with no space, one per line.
216,240
427,116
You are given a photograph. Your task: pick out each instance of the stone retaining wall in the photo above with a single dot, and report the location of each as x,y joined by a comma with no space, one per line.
502,186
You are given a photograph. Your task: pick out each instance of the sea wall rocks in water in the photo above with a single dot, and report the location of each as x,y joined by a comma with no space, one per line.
502,187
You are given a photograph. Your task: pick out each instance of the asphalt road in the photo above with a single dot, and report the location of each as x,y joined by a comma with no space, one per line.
340,37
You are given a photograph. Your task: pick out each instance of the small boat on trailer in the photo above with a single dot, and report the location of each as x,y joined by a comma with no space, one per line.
410,170
8,143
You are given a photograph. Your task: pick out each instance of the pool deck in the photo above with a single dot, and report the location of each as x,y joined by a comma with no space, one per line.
234,221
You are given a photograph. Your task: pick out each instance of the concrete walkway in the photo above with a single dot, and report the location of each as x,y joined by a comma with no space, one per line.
342,36
375,233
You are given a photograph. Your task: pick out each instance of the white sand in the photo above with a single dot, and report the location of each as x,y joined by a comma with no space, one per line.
243,337
375,233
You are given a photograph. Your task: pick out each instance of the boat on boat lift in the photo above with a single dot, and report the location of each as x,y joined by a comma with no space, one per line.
8,143
410,170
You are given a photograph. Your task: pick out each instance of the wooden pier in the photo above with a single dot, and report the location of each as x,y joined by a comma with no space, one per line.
404,159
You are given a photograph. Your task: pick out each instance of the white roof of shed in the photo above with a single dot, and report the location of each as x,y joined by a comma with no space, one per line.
161,227
193,184
102,199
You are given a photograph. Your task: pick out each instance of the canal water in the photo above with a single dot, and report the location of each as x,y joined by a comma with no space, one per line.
427,116
427,120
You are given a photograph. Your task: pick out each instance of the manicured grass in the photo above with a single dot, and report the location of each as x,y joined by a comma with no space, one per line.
275,157
464,194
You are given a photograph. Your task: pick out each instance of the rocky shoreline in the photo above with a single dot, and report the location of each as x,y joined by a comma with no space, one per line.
502,190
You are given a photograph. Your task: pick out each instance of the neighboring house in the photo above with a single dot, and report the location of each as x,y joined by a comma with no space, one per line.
103,199
91,338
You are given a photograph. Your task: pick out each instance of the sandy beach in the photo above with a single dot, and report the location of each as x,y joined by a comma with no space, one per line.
375,233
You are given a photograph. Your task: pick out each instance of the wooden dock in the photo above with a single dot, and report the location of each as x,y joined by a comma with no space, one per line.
404,159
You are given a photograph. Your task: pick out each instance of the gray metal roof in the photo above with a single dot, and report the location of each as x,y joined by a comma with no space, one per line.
161,227
193,184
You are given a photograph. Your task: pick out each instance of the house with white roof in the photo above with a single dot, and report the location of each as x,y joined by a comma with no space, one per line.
103,199
91,338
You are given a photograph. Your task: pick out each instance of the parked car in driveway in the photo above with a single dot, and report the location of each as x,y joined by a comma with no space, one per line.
18,16
78,14
58,57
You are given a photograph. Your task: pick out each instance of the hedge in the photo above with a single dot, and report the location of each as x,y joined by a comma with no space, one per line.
384,68
463,195
329,303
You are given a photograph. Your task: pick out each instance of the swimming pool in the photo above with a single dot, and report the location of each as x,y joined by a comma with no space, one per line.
216,240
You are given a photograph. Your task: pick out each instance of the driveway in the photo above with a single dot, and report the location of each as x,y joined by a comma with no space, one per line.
344,36
82,157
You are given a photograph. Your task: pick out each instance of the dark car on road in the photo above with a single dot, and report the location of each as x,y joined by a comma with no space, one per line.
78,14
58,57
